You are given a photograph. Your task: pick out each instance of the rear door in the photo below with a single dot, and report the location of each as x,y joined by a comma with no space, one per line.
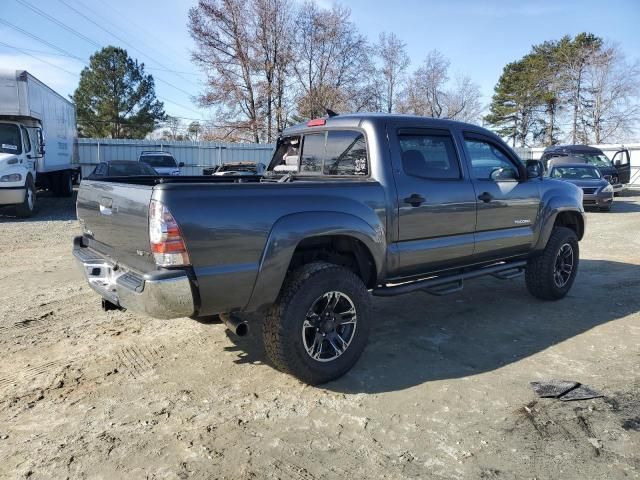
508,203
622,162
115,219
436,201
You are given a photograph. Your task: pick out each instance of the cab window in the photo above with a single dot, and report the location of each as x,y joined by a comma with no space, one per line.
429,154
26,139
334,152
488,161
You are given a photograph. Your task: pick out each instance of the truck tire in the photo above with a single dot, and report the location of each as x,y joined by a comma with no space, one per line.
28,207
550,275
65,181
319,325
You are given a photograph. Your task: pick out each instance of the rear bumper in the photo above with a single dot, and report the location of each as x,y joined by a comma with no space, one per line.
12,195
159,294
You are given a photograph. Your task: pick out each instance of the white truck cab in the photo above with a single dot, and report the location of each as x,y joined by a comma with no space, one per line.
20,148
30,114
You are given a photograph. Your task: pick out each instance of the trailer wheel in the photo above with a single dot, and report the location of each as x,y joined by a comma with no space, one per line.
28,207
319,325
65,182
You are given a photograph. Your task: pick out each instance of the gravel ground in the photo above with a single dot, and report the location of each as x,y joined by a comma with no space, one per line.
442,390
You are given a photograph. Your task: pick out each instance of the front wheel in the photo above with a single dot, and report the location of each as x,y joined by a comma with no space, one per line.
28,207
550,275
319,325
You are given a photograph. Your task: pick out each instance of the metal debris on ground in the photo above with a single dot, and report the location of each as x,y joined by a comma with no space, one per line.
565,390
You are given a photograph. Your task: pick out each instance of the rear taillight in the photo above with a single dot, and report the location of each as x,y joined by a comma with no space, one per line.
167,245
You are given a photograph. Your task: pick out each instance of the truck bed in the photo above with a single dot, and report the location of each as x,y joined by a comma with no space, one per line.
225,222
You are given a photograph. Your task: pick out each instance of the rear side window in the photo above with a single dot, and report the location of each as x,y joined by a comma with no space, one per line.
429,155
313,153
335,152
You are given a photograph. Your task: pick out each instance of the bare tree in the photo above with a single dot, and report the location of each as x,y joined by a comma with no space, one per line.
575,58
173,126
610,107
331,57
221,31
273,27
430,93
393,56
462,101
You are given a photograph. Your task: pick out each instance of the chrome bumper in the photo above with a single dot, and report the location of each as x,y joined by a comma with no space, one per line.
166,297
12,196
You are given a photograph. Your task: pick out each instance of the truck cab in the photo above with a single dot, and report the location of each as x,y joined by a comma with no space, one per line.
20,148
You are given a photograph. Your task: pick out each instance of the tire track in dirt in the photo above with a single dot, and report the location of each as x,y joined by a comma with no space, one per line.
31,372
139,360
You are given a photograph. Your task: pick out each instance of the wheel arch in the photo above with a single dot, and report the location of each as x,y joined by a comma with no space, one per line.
333,237
565,217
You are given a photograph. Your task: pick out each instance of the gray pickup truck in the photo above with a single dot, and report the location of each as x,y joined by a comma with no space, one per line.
350,206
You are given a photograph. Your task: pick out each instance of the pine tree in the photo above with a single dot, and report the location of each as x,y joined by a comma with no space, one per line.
115,98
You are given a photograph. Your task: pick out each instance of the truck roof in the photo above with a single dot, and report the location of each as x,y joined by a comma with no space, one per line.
566,149
357,119
156,152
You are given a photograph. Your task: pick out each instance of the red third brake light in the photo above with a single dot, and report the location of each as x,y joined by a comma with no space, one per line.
166,241
316,122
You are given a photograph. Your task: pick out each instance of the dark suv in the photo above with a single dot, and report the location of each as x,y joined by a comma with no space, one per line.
617,171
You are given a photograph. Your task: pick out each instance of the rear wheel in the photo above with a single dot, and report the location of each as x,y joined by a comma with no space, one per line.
28,207
550,275
319,326
66,184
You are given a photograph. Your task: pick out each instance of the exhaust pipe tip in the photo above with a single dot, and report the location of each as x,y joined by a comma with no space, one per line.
234,324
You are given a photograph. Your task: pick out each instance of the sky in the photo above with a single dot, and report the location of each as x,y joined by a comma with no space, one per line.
478,37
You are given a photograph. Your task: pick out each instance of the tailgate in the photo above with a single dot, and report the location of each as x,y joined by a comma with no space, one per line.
115,220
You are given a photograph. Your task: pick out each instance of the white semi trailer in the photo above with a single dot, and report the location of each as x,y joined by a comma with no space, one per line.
38,141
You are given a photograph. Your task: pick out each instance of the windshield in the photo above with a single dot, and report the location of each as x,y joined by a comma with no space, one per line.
130,169
159,161
10,139
576,173
596,159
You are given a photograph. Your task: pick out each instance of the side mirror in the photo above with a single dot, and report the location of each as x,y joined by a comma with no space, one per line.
501,173
181,164
534,169
618,162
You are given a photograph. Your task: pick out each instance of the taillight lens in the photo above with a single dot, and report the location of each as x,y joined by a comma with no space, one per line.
167,245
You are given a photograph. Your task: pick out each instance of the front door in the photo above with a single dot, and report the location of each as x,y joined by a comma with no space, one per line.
436,201
622,162
508,203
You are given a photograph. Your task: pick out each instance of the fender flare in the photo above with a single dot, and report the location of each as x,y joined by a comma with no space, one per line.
548,218
290,230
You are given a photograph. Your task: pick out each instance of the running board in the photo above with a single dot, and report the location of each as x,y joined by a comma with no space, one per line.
452,283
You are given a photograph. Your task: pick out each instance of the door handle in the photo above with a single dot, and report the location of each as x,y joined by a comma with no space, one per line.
415,200
105,205
486,197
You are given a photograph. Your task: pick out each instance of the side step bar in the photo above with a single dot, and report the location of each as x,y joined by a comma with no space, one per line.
452,283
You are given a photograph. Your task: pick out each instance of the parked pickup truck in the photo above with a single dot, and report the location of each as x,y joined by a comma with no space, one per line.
378,205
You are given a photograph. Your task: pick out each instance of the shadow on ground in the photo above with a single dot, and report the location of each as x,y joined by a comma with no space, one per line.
625,205
48,208
419,338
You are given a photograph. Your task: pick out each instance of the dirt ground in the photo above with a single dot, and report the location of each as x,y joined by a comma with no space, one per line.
442,390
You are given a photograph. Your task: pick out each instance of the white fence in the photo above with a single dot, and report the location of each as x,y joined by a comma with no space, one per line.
609,150
195,155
